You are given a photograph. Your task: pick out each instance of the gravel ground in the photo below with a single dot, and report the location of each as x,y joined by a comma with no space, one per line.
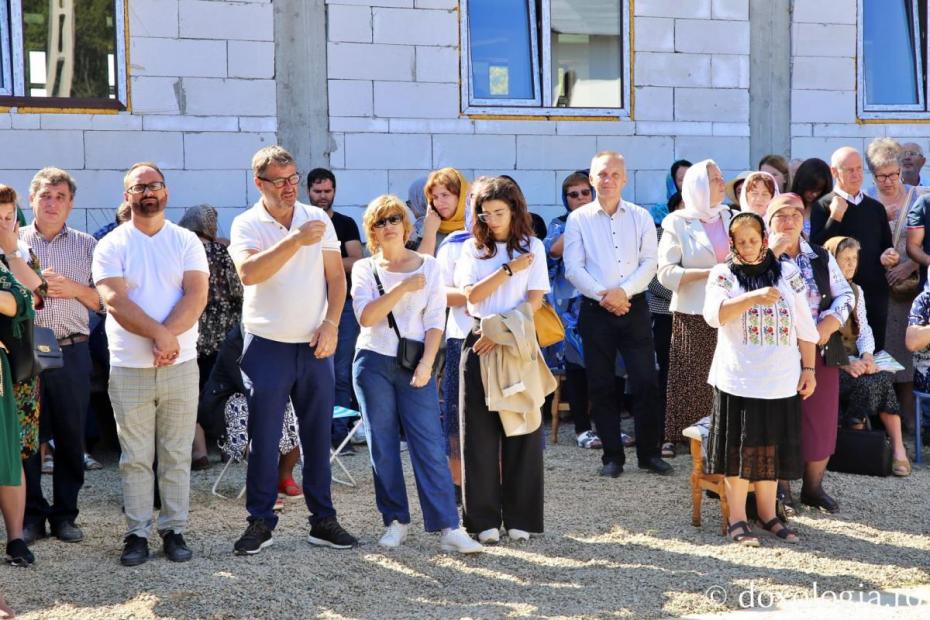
613,548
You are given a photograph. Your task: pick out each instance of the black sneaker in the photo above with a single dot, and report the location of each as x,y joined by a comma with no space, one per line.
256,537
18,554
328,533
135,551
175,548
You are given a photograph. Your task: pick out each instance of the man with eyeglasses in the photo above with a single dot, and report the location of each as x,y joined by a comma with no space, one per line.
287,255
65,257
153,276
847,211
912,162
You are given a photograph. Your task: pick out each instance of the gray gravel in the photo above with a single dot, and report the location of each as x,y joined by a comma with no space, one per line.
613,548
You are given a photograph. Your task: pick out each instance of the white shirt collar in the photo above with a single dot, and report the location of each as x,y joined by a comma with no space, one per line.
850,199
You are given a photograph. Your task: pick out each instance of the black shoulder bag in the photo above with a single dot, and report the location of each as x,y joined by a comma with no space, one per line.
34,350
409,352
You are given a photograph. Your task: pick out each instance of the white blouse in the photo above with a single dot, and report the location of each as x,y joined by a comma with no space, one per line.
757,353
459,323
865,341
415,313
472,268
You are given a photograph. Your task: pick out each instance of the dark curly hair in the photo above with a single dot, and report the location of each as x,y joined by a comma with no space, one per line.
521,227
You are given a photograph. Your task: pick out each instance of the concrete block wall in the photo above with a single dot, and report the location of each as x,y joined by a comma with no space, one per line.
202,102
395,111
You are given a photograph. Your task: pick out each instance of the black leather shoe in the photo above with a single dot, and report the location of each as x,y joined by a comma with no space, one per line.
820,500
33,532
175,548
657,466
67,531
611,469
135,551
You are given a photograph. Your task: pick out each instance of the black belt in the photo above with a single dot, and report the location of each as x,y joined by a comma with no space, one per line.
72,339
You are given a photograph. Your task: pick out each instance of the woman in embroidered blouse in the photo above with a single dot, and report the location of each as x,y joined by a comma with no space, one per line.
694,239
865,390
759,307
397,285
830,300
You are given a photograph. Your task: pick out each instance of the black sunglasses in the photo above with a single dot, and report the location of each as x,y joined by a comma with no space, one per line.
576,193
391,219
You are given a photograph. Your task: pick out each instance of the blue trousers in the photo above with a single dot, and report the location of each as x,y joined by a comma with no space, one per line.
274,372
388,401
342,362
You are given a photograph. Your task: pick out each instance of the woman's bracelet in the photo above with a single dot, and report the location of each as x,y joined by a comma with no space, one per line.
331,322
803,368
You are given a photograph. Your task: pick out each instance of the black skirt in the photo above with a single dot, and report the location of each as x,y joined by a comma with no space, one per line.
755,439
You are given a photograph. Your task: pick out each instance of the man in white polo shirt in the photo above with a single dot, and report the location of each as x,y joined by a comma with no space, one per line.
287,255
152,275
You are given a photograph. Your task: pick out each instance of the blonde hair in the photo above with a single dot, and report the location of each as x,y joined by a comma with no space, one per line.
383,206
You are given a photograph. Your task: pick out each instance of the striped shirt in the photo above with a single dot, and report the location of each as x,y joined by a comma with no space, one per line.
70,254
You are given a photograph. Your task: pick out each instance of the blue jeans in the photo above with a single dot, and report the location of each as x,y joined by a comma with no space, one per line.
388,401
277,371
342,361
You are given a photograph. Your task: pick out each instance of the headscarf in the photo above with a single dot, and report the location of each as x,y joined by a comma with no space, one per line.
587,173
695,192
753,276
457,221
460,236
832,245
202,220
744,199
416,199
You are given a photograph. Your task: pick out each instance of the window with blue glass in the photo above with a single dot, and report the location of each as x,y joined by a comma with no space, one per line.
545,57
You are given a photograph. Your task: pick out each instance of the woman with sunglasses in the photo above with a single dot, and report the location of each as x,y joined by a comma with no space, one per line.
503,268
398,293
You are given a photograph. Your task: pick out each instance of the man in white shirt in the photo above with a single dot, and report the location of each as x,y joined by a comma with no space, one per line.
610,256
152,276
287,255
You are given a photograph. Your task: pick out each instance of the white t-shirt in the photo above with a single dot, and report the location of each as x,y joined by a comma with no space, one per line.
153,268
757,354
290,305
415,312
472,269
459,324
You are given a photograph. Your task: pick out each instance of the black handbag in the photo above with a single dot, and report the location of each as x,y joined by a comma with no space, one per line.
35,350
863,452
834,353
409,352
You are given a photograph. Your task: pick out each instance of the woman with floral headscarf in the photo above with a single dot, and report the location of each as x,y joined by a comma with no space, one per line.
694,240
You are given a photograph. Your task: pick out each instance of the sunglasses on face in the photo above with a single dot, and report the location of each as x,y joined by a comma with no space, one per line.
575,194
393,220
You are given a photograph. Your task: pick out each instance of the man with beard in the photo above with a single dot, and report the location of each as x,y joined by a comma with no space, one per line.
152,276
65,256
287,256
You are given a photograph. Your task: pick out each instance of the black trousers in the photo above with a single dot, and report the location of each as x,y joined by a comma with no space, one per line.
876,309
576,387
662,337
602,335
64,398
502,481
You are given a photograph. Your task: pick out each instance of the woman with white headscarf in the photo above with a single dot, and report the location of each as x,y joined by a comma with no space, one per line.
757,192
694,239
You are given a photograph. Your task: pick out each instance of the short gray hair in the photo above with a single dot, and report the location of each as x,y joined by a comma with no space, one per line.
883,152
268,155
52,176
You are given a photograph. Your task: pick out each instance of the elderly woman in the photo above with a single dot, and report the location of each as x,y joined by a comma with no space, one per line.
777,166
759,306
445,191
865,390
398,298
830,300
223,311
757,191
812,181
694,239
883,158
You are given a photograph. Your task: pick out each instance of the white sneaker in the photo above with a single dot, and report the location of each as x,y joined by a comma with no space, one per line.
459,540
394,535
516,534
489,537
588,439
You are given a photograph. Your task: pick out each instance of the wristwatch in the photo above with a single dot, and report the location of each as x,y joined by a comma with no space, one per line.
507,270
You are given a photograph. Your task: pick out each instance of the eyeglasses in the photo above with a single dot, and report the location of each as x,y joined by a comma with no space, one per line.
912,154
393,220
574,195
139,188
294,179
484,217
884,178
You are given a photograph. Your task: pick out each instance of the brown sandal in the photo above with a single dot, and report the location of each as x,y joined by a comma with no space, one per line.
901,468
741,534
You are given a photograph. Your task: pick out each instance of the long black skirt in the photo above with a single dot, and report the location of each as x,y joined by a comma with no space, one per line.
755,439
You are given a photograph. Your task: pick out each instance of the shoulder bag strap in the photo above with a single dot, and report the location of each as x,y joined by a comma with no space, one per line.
390,317
899,227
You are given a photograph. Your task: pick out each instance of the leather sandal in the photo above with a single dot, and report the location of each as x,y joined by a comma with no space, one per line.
741,534
901,468
783,532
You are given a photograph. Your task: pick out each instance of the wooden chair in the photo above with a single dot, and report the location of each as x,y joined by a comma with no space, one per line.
557,407
701,482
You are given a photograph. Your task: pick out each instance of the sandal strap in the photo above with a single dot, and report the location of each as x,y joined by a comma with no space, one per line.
783,533
742,527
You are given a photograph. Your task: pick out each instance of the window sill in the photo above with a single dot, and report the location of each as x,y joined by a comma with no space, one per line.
62,105
542,114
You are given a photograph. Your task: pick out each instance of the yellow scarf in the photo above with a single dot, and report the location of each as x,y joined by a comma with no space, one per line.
457,221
